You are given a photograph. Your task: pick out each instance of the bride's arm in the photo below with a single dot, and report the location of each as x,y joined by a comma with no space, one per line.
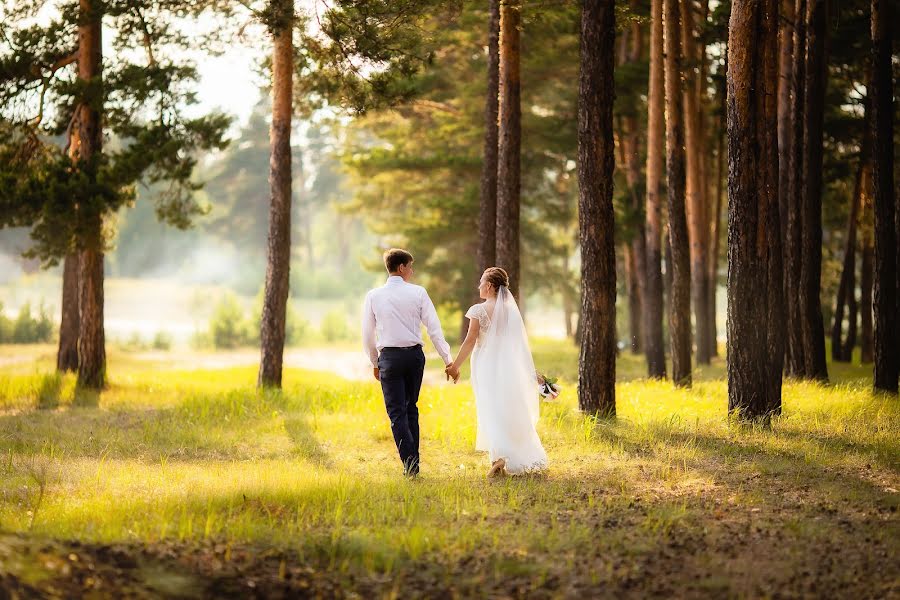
466,349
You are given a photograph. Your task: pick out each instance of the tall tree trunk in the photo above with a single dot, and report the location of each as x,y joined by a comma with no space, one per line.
796,363
811,252
866,283
711,213
487,218
85,147
67,355
887,321
679,305
596,162
847,286
636,251
509,144
716,241
785,134
272,327
852,323
755,315
487,207
91,335
697,214
632,273
653,298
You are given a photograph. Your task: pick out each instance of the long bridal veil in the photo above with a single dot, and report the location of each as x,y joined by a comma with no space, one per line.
506,390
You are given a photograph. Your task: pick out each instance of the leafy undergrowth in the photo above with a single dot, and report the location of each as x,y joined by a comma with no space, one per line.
192,484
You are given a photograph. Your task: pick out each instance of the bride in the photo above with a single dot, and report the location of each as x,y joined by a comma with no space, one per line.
503,378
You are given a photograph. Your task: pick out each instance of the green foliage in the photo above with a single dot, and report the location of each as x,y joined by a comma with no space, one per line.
228,328
296,328
27,328
141,99
231,327
334,326
162,341
416,170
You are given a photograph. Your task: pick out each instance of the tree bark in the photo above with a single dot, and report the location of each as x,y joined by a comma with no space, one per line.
755,315
272,327
653,297
887,356
847,286
866,283
509,144
91,335
85,147
596,162
695,197
679,305
811,253
67,355
887,335
785,148
487,218
796,363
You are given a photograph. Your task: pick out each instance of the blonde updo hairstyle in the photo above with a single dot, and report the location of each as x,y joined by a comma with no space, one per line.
496,277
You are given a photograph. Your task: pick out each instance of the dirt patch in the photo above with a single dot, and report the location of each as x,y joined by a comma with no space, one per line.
737,552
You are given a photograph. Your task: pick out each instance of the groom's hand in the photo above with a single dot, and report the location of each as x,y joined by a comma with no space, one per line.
453,372
377,374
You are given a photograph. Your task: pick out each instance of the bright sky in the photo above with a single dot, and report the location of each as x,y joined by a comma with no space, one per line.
230,82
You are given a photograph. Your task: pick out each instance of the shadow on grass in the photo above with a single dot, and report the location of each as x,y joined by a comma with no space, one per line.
86,398
49,391
305,442
796,459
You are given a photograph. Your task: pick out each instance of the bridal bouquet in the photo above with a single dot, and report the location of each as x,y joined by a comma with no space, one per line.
549,388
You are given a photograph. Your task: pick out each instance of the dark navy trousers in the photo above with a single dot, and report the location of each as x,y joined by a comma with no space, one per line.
401,371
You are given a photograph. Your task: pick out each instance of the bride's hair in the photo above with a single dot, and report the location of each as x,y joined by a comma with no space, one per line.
496,277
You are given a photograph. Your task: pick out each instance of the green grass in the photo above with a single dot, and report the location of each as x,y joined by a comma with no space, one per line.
667,498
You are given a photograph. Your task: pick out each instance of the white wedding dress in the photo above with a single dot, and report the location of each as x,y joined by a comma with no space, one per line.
506,389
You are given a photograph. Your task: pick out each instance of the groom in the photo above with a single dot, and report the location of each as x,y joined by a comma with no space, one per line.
392,337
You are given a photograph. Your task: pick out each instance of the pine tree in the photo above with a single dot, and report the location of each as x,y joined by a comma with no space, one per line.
755,301
596,162
67,194
653,298
280,21
679,304
887,221
509,144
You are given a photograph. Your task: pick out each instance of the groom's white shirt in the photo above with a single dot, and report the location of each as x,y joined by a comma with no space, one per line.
392,318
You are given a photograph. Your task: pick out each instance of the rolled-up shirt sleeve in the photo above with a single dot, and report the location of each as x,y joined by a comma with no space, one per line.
433,327
368,331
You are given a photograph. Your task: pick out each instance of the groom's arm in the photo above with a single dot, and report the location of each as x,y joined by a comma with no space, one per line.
433,327
368,332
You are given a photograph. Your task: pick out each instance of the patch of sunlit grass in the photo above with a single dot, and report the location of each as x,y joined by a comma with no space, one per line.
195,455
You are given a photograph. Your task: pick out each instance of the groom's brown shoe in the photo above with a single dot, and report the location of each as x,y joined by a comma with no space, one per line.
497,468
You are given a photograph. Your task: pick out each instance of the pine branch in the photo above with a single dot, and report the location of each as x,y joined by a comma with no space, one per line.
45,84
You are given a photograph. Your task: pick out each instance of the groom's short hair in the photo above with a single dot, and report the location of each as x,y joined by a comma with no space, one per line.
395,257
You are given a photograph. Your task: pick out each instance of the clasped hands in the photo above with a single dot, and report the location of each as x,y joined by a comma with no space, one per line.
452,372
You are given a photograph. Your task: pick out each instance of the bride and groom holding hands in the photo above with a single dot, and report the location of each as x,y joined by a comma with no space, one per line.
503,375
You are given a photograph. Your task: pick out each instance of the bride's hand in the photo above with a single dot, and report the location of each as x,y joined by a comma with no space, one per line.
452,371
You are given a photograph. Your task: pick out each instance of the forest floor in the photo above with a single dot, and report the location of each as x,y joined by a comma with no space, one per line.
190,483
